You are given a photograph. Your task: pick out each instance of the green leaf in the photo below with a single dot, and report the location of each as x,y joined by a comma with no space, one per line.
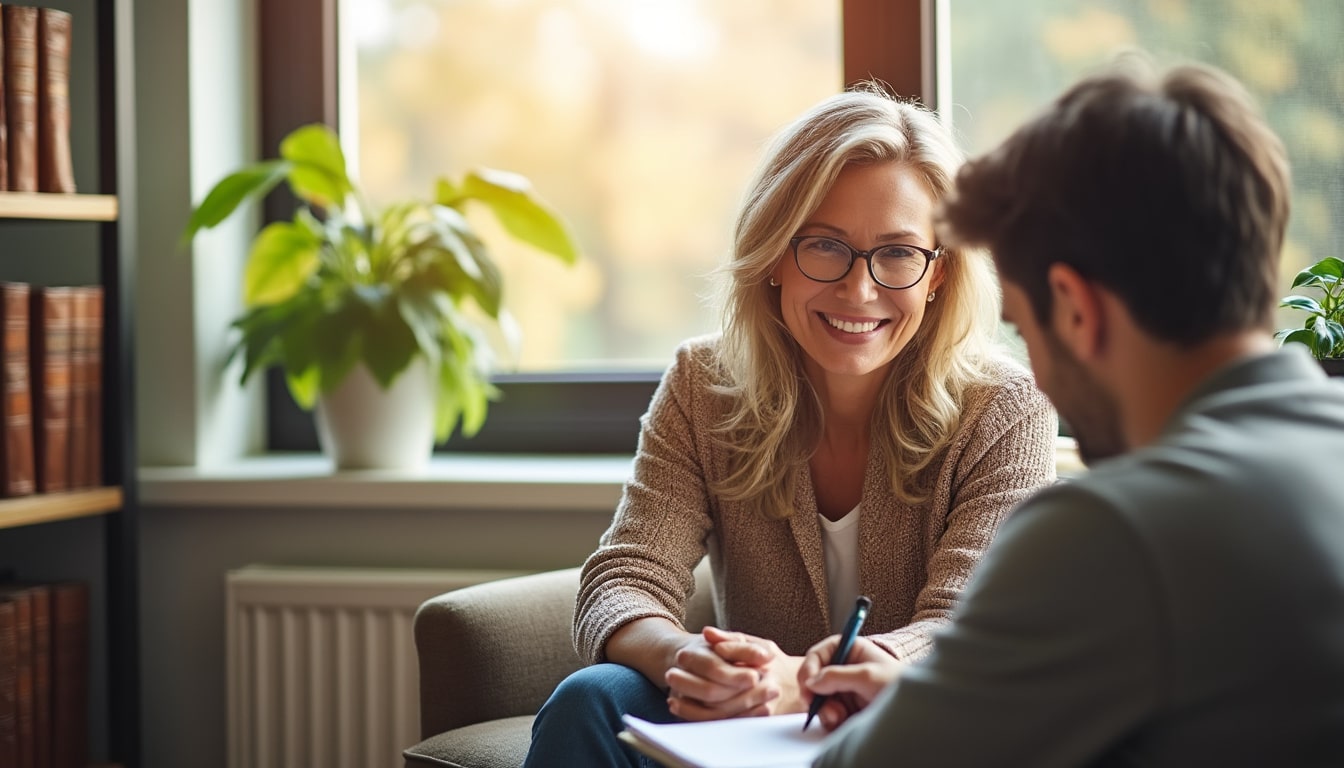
1329,334
464,388
447,193
304,386
1328,267
1304,303
317,173
389,343
225,197
457,261
337,340
284,255
417,308
1304,337
259,331
523,214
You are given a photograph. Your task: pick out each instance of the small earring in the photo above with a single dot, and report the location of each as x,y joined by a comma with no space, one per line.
931,295
773,282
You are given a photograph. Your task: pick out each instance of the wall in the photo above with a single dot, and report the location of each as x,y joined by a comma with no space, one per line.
194,105
186,553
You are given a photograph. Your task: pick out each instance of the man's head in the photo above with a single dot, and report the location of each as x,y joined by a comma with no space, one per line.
1168,190
1166,194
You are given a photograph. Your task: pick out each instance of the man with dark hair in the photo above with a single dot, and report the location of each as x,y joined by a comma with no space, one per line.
1183,602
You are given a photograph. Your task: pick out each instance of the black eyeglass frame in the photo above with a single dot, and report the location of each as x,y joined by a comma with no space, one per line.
867,256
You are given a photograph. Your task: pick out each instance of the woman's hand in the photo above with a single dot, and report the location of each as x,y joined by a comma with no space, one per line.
731,674
850,686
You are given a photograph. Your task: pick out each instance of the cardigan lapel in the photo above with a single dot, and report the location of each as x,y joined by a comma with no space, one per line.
876,544
807,537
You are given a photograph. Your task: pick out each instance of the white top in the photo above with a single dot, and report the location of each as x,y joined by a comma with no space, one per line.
840,541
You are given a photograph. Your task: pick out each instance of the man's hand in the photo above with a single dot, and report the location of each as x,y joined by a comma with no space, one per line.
732,674
850,686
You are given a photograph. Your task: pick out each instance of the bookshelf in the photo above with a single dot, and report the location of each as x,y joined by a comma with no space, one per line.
58,207
66,505
90,534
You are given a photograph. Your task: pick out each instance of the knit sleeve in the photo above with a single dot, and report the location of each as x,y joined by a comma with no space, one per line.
644,561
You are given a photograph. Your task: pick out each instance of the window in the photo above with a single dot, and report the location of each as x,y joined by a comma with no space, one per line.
1008,60
641,120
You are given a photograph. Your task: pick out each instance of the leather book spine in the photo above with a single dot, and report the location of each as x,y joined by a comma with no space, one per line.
20,31
23,674
70,674
93,446
78,459
4,128
16,399
9,690
40,597
52,329
55,172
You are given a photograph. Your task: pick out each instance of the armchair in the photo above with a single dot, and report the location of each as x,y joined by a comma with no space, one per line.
491,654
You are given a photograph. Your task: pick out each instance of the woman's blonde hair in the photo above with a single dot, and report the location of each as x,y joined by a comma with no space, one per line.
774,418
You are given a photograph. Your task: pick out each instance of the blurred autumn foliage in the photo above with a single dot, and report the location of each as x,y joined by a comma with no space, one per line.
1009,59
641,121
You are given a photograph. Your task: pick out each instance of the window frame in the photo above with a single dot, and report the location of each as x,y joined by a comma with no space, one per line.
592,413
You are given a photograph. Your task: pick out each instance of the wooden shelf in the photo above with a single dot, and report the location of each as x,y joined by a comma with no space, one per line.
48,205
46,507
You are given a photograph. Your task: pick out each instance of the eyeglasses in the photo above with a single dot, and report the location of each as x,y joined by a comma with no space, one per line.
828,260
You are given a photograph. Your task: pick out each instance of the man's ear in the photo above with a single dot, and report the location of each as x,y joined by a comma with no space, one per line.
1077,318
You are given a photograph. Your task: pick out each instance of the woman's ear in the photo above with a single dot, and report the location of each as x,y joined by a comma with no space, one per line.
1077,316
938,276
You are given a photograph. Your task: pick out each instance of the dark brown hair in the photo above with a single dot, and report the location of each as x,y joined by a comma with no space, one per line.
1171,191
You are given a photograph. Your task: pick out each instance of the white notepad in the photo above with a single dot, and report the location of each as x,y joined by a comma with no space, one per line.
744,742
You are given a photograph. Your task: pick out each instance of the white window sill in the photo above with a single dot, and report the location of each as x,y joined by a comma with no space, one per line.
454,481
457,481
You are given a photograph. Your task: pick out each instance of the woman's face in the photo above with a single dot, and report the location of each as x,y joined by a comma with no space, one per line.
854,328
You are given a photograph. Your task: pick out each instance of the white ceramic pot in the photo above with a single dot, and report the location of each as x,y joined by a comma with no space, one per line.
362,426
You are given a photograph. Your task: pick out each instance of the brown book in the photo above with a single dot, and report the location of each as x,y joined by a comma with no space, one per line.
80,309
4,129
20,32
9,686
55,173
16,399
51,333
69,674
40,596
25,735
93,336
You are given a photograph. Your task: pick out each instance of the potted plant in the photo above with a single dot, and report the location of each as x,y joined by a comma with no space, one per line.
1323,330
356,302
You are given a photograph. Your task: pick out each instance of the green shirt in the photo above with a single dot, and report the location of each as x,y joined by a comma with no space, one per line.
1180,605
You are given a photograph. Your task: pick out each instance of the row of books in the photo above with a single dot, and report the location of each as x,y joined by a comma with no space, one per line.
35,129
44,675
51,407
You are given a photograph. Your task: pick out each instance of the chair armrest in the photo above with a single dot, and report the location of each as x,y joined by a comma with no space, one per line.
494,650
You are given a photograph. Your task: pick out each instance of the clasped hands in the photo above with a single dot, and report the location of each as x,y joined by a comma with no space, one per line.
719,674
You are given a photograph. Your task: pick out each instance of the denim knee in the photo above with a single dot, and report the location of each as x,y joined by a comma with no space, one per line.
580,721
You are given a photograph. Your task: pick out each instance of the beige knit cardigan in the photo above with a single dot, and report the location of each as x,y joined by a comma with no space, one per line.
769,575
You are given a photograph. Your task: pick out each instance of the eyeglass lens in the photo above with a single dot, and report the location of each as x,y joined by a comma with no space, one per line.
827,259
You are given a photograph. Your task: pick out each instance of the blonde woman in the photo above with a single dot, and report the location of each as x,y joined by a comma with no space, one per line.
853,430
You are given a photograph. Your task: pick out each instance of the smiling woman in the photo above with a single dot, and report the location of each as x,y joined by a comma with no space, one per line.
643,150
840,437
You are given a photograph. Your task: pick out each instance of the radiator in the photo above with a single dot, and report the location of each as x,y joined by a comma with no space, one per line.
321,663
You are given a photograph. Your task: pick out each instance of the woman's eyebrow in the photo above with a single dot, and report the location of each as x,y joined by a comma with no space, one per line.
898,236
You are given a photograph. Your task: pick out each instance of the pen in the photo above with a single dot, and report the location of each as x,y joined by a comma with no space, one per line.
847,636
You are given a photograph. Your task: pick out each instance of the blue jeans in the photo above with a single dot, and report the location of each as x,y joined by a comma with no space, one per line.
577,726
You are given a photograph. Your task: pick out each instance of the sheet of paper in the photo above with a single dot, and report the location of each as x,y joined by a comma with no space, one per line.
744,742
